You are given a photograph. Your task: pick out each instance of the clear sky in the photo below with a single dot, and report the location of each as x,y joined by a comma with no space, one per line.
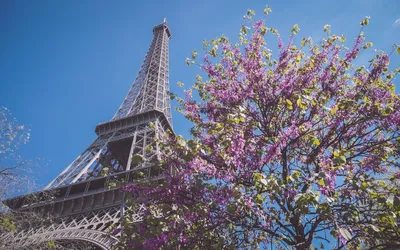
65,66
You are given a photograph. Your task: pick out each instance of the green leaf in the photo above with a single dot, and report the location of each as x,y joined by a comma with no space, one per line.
398,50
334,109
303,42
52,244
345,233
326,28
267,10
273,31
289,104
259,199
230,228
205,44
194,54
300,104
387,111
8,224
298,197
364,185
375,228
213,51
136,159
231,208
263,30
298,58
365,21
257,177
296,174
295,29
316,142
243,29
199,78
171,95
321,182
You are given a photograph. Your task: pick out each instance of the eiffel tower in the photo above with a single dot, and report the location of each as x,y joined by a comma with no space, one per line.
84,205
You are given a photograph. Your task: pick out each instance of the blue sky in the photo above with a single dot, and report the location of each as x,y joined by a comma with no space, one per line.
65,66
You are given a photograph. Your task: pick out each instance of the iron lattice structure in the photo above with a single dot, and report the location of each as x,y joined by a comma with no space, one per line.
84,206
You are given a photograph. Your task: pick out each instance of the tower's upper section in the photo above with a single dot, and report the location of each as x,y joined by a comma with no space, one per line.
150,89
162,26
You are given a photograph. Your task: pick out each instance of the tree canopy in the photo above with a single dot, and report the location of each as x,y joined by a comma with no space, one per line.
15,171
291,151
16,178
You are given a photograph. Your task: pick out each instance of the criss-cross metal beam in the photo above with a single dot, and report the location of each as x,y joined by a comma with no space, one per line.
84,206
149,93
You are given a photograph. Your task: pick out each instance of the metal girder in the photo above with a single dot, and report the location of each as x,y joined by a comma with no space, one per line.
150,89
147,101
84,207
91,226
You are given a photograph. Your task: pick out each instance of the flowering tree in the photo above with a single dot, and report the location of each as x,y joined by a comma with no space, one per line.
16,178
292,152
